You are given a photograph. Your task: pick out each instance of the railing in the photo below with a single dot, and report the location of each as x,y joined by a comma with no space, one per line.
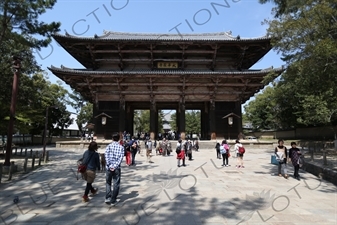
23,161
322,153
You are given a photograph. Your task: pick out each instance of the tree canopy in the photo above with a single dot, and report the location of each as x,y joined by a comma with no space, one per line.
305,33
192,122
19,22
142,120
21,32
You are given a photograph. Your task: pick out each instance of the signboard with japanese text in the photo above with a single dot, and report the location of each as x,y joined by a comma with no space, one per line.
167,65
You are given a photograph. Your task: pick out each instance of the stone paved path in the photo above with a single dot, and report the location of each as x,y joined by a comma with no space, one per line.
161,193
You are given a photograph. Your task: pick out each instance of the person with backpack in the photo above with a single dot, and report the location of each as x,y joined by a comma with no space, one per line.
133,149
224,150
91,160
180,153
240,151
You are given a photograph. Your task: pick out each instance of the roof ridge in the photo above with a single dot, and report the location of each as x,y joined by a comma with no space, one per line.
227,33
207,36
63,68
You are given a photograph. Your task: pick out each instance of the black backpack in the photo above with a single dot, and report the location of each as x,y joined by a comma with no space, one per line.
178,149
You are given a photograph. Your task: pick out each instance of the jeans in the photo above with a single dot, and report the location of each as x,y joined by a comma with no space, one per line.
133,157
115,177
224,159
296,169
284,165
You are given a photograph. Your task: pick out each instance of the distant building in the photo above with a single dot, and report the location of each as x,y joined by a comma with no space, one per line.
72,130
166,122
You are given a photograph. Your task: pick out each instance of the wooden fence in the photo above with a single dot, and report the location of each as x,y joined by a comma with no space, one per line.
23,161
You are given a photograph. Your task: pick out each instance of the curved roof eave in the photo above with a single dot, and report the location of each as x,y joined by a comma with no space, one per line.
153,72
126,36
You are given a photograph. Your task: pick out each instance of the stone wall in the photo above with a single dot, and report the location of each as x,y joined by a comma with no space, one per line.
321,172
313,133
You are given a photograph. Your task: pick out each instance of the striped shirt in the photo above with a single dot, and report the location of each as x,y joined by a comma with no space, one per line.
114,154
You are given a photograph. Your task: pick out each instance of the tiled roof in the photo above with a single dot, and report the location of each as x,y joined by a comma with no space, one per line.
126,36
164,72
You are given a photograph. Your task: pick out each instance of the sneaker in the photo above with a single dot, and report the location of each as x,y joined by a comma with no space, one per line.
286,176
239,166
184,165
94,191
242,167
107,201
178,165
280,175
115,202
85,198
227,165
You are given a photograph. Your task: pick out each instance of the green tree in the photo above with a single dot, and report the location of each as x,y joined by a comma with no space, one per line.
19,23
262,112
84,116
160,121
305,33
76,100
142,120
21,33
192,122
83,108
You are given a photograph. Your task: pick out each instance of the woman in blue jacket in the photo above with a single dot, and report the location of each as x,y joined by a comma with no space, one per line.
91,160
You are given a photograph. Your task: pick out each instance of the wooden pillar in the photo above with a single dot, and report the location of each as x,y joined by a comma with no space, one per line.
153,121
204,121
239,120
177,121
121,115
129,118
212,120
1,166
182,120
95,120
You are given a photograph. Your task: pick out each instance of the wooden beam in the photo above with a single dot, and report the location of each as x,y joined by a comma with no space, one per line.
159,60
94,64
156,51
172,84
121,64
181,93
214,57
241,57
90,89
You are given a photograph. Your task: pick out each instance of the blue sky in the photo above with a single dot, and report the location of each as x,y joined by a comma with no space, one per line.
87,18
